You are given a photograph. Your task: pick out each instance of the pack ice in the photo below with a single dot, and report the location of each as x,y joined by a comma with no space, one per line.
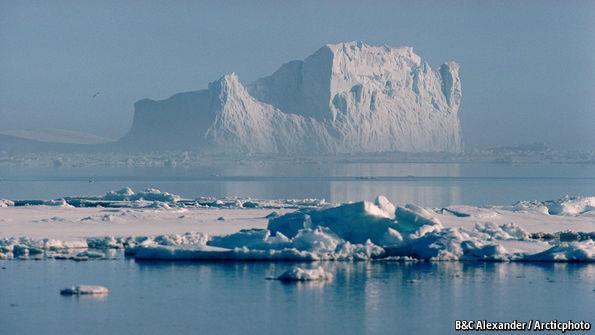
380,230
553,231
344,98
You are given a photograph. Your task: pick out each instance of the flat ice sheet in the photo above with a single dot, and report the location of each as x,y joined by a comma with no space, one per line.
78,223
532,222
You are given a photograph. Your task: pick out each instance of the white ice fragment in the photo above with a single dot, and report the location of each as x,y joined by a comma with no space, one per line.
318,240
6,203
506,231
84,289
150,194
566,252
571,206
386,206
250,238
301,274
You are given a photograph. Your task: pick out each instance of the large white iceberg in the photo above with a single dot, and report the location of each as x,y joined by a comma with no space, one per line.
344,98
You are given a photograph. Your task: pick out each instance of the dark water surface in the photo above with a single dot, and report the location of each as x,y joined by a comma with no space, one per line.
426,184
235,298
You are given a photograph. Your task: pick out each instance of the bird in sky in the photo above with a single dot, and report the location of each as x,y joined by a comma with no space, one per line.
96,94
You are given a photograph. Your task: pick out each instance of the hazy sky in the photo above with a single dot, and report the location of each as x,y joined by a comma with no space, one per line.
527,67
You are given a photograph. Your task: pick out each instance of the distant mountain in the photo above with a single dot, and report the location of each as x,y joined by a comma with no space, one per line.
345,98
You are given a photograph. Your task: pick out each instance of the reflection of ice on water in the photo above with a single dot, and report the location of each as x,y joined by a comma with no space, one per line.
426,184
410,190
396,170
358,181
420,193
88,297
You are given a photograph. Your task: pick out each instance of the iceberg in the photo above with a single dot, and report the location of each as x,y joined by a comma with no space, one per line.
344,98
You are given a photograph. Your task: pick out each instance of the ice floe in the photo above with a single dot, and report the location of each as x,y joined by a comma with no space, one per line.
84,289
157,199
372,230
346,232
507,231
150,194
565,206
566,252
300,274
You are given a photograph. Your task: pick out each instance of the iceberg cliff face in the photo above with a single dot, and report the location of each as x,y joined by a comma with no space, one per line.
245,124
347,97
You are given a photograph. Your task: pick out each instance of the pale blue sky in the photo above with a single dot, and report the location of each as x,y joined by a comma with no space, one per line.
527,67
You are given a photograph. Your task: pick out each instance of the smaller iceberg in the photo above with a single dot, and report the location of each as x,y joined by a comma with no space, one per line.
299,274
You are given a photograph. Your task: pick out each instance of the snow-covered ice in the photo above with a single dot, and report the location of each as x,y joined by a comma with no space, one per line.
556,230
155,198
564,206
565,252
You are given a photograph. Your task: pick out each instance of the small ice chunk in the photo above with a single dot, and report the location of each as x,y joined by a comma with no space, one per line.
507,231
565,252
300,274
6,203
569,206
84,289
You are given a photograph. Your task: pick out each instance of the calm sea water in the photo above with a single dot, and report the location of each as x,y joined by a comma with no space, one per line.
235,298
421,183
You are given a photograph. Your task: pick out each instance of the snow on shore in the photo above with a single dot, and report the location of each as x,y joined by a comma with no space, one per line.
559,230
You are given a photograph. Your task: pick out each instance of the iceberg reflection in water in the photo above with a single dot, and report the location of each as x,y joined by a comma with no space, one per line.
425,184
